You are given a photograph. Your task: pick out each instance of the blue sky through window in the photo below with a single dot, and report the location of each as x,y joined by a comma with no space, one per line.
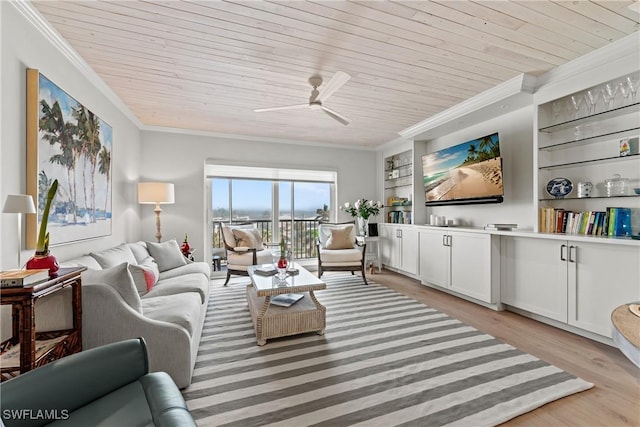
255,195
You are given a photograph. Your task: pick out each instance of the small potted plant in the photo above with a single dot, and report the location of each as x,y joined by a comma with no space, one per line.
185,247
42,259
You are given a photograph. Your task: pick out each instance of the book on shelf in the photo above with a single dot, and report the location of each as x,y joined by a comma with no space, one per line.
20,278
399,217
286,300
611,222
500,226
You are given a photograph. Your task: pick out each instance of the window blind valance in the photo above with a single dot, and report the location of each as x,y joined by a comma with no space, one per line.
272,174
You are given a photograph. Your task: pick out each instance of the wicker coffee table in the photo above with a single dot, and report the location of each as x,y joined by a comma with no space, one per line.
272,321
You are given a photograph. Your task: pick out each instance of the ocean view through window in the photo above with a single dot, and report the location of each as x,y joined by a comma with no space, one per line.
280,208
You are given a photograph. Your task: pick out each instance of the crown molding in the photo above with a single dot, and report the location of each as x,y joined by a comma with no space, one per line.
508,96
625,47
250,138
393,143
32,15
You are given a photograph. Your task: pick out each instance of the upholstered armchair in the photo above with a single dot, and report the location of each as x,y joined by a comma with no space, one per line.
243,243
339,250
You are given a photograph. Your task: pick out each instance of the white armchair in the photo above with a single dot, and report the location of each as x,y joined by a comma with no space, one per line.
338,249
243,243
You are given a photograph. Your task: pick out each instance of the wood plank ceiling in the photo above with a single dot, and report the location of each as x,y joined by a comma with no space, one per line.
206,65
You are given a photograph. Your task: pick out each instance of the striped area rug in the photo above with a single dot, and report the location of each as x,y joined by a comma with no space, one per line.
385,360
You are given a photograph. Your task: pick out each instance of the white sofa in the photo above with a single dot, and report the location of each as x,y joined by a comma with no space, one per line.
116,304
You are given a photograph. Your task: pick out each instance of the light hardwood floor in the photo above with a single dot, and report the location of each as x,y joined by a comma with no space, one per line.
615,399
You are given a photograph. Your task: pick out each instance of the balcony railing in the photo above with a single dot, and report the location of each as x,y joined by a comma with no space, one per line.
299,234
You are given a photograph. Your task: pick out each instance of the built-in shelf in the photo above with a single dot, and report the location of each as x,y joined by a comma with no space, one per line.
591,139
554,199
588,149
398,188
591,162
609,114
410,165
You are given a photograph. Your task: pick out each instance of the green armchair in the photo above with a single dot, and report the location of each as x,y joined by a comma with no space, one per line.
104,386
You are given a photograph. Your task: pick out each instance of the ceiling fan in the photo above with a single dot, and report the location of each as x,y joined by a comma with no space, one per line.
319,96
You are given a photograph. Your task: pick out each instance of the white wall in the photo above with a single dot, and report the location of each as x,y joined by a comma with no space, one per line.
22,47
516,148
180,158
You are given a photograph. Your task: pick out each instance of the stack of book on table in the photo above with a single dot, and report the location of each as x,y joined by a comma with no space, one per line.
286,300
21,278
265,270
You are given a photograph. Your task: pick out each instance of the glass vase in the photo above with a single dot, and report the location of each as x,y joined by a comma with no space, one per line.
363,226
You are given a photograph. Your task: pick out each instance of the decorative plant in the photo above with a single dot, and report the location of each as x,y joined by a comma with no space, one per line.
42,246
362,208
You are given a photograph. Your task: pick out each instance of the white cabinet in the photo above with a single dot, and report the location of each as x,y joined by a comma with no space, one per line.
601,278
389,245
534,278
460,261
435,258
574,282
399,247
409,250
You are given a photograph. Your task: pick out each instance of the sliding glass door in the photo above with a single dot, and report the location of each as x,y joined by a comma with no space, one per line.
281,209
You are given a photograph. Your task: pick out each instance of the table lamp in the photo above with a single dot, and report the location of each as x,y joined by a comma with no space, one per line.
157,193
20,204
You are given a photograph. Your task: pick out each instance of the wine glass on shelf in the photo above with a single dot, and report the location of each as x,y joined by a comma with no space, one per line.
624,90
592,97
556,109
633,81
609,93
576,102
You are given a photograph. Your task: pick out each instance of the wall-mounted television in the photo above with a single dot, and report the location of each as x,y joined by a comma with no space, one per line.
467,173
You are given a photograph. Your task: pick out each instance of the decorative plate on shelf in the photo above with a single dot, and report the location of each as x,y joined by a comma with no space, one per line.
559,187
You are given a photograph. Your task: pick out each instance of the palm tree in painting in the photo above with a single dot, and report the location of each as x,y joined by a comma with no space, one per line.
88,126
57,131
490,148
104,167
44,183
471,153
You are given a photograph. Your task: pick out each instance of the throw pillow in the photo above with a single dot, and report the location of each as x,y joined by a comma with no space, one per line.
114,256
120,279
145,275
341,238
167,254
248,237
139,251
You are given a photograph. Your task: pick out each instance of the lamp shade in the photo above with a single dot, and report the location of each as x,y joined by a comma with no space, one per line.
19,203
155,192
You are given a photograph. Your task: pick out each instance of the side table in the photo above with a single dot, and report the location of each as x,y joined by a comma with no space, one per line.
26,349
372,254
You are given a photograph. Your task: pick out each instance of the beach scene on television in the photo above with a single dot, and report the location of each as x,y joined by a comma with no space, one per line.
471,170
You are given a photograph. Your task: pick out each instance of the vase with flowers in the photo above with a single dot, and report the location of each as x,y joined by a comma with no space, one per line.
42,258
361,210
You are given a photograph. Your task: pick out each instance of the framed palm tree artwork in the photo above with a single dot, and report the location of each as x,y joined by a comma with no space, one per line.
68,142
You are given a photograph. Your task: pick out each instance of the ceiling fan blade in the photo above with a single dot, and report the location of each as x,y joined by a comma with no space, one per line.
286,107
336,82
342,119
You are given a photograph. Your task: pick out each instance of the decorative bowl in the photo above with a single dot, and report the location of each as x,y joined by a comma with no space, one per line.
559,187
636,190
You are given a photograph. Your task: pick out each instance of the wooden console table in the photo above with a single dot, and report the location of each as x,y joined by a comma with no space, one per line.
26,349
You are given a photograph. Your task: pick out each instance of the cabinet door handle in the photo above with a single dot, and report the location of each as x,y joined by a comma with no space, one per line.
449,239
572,250
562,248
444,240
